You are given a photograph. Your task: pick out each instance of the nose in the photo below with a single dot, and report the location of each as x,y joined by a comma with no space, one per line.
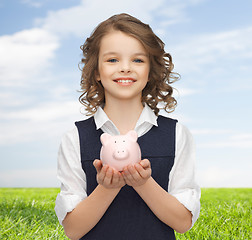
125,67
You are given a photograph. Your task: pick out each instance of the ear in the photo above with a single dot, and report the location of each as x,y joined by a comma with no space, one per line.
105,138
132,135
97,76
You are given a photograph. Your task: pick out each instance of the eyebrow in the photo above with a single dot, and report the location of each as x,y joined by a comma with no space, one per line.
135,54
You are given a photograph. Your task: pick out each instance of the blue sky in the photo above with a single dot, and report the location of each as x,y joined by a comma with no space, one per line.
210,42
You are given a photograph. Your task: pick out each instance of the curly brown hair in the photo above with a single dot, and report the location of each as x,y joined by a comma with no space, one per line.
157,90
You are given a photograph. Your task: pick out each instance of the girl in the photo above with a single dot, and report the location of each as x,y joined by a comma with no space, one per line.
126,74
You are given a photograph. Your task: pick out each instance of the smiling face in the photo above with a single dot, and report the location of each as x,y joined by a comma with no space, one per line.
123,67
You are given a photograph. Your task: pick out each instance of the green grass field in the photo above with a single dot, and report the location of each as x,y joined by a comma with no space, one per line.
29,214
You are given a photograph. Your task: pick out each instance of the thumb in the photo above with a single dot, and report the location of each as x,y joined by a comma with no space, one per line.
97,164
145,163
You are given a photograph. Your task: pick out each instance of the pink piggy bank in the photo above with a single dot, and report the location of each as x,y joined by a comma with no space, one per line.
120,151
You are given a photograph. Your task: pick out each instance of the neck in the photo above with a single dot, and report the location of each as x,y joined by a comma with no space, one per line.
124,114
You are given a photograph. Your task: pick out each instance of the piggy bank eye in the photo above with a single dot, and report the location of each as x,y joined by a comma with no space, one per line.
123,140
115,141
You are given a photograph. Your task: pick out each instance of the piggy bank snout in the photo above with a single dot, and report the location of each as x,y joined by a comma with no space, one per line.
121,154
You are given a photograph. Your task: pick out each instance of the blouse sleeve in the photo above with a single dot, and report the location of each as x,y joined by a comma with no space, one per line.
182,184
70,175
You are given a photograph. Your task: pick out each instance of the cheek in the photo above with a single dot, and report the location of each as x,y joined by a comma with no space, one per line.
146,74
98,70
105,71
146,71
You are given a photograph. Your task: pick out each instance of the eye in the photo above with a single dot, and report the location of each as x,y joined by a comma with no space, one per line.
138,60
115,141
112,60
123,140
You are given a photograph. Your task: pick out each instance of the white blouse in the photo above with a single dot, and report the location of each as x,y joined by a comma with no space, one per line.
182,183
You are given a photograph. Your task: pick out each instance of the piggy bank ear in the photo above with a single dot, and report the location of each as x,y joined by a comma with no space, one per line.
132,135
105,138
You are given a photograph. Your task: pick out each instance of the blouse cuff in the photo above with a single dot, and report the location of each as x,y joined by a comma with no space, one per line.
190,198
65,204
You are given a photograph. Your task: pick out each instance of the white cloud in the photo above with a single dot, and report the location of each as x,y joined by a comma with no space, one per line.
174,12
210,131
47,121
9,98
183,92
29,178
46,112
225,177
227,144
242,137
33,3
25,54
221,47
242,141
80,20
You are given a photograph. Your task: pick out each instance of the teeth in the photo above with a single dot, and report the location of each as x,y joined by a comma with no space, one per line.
125,81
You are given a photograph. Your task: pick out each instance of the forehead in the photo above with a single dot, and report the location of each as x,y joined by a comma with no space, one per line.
119,42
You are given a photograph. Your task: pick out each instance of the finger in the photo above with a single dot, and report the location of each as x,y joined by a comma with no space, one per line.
108,176
135,174
144,173
98,165
116,177
120,176
127,176
140,169
145,163
101,175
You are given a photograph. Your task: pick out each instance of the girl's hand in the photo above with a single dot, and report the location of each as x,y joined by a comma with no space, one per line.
107,176
137,175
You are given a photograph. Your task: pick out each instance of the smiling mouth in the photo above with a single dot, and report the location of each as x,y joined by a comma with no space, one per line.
125,80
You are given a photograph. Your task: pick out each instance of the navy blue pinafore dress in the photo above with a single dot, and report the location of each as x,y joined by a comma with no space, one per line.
128,217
